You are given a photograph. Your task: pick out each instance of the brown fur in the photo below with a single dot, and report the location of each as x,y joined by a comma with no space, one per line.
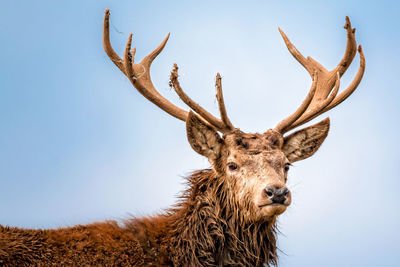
95,244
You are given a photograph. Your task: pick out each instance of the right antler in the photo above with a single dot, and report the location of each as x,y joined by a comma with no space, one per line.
321,98
139,75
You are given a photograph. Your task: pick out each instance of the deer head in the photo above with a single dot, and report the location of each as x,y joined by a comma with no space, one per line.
253,166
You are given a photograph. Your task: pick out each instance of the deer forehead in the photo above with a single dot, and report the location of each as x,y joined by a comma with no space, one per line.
252,142
256,149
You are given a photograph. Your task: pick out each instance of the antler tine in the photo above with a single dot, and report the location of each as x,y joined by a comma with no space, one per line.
295,52
147,60
351,49
317,110
221,103
139,74
128,59
107,44
324,98
353,85
284,124
208,117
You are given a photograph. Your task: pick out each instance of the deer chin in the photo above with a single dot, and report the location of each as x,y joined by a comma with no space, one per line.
274,209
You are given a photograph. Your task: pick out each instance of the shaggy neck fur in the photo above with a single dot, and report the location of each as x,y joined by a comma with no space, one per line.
214,231
207,229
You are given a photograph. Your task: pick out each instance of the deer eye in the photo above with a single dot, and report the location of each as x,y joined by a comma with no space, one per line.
287,167
232,166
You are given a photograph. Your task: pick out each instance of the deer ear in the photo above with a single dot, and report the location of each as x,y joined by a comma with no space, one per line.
305,142
202,138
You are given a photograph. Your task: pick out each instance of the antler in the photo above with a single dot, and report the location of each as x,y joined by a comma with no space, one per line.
321,97
139,75
223,125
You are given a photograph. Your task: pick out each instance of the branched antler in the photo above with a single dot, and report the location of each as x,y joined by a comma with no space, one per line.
139,75
324,98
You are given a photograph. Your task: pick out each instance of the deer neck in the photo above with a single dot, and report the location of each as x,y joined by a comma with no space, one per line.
206,228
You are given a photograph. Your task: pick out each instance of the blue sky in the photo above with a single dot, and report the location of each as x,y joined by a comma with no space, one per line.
79,144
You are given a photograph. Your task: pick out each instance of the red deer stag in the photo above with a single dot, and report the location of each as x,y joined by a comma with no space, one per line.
228,214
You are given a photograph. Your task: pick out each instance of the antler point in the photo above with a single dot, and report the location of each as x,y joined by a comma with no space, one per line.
348,23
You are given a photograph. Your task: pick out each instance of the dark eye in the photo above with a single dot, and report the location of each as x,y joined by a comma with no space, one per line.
287,167
232,166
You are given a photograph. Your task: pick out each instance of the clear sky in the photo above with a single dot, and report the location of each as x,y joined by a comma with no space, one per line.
78,144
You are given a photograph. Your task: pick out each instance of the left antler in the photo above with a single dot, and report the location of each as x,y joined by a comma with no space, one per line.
321,97
139,75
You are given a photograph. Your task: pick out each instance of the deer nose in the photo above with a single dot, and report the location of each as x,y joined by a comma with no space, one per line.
277,195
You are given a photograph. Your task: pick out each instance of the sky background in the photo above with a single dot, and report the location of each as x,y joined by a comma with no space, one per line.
79,144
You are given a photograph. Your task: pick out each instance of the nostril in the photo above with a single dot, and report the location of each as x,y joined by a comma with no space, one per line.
270,191
285,191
